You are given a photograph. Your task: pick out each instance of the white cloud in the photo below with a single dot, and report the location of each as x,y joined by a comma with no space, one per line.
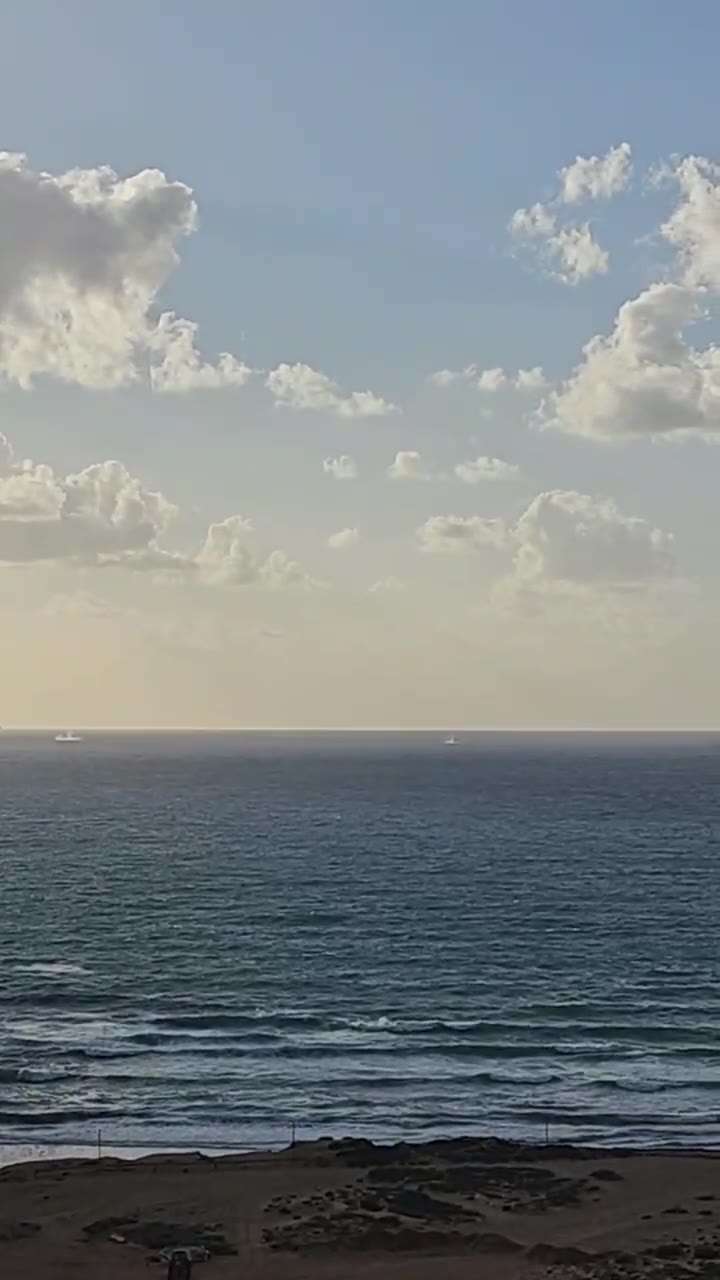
569,251
342,468
569,537
531,379
483,469
444,377
644,379
492,381
229,557
103,517
596,177
459,533
100,512
694,226
300,387
6,454
408,465
571,254
83,256
344,539
182,368
563,539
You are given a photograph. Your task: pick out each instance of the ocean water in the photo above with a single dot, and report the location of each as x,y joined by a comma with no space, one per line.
208,939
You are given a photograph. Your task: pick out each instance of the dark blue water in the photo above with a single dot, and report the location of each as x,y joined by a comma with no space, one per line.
206,938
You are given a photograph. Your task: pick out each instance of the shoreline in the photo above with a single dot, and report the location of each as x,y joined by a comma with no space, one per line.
350,1207
16,1154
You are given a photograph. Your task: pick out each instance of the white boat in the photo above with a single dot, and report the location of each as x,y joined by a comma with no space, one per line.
67,737
450,742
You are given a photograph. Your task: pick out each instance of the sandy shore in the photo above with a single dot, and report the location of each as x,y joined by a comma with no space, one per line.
468,1207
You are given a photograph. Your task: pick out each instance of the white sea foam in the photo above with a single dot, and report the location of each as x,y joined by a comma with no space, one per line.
54,969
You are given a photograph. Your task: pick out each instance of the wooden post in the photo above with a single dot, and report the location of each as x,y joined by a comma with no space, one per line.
99,1144
547,1133
293,1131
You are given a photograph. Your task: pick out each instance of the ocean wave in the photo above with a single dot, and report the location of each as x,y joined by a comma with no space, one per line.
71,1115
619,1120
221,1020
54,969
446,1081
654,1086
151,1044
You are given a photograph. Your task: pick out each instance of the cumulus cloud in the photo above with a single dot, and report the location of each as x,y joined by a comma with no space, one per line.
493,380
298,386
229,557
644,379
461,533
565,250
564,536
570,254
694,226
563,539
180,366
83,255
342,468
100,512
344,539
408,465
105,518
481,470
596,177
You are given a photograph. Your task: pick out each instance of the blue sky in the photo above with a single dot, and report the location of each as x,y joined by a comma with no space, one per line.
351,156
355,167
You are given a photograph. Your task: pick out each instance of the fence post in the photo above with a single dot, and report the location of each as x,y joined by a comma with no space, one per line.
99,1144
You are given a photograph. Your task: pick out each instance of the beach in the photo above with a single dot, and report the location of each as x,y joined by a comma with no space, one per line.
464,1207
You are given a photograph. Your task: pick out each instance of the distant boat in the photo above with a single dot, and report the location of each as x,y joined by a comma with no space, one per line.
450,742
67,737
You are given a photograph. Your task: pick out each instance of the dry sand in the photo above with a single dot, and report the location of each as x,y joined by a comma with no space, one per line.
475,1208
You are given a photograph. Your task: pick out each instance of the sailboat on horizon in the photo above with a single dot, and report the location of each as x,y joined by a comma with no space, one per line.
67,736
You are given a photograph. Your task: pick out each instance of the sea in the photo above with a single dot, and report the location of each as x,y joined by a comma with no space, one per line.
224,940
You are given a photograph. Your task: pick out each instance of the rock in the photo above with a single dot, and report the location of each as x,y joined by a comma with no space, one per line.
606,1175
706,1252
418,1204
489,1242
160,1236
670,1252
371,1204
558,1255
104,1227
387,1173
10,1231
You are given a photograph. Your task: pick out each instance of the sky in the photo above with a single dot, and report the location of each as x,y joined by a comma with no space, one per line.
358,364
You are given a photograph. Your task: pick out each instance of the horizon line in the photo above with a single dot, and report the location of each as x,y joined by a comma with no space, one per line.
308,729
